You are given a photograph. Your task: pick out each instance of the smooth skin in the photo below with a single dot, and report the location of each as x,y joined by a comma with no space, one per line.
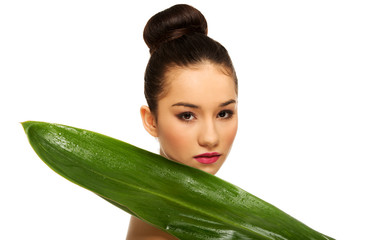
196,115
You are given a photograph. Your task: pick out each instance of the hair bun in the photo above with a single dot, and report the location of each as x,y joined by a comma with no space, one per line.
173,23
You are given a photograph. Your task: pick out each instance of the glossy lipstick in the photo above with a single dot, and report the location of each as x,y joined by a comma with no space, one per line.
207,158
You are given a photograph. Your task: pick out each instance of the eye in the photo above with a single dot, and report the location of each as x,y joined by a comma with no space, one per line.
225,114
186,116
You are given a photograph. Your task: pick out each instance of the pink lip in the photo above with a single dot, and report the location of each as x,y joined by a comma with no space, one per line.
208,158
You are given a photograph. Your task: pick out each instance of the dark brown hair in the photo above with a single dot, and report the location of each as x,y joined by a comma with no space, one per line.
177,37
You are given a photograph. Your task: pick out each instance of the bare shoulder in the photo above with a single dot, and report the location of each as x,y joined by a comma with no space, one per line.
140,230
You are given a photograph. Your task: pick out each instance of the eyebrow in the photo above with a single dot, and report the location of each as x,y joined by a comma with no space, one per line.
184,104
227,103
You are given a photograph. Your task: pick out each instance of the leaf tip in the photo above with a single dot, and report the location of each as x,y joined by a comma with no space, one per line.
28,124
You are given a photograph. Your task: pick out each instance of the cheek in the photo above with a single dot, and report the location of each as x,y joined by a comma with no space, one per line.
174,139
229,133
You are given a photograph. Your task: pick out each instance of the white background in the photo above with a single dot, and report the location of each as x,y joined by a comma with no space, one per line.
301,143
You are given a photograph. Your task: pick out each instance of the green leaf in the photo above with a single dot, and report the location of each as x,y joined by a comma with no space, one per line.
183,201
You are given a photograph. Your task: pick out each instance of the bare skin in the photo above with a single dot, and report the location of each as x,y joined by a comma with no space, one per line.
201,107
140,230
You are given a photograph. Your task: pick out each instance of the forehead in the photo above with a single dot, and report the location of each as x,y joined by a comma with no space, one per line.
203,82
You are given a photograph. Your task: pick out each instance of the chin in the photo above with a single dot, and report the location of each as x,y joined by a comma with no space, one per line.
210,169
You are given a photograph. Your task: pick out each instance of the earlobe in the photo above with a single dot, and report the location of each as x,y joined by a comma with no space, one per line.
148,119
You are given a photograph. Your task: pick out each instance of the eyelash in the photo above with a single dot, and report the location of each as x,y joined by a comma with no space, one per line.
229,114
184,114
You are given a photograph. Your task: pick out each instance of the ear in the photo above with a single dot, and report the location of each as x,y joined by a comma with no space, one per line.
148,119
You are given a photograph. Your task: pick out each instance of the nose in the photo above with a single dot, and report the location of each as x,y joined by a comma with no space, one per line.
208,135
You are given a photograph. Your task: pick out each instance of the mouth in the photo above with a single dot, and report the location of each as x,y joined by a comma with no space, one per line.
207,158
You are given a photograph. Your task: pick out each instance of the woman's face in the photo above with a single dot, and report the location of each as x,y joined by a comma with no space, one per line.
197,118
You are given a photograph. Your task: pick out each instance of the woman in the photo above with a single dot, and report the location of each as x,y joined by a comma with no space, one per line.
191,91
